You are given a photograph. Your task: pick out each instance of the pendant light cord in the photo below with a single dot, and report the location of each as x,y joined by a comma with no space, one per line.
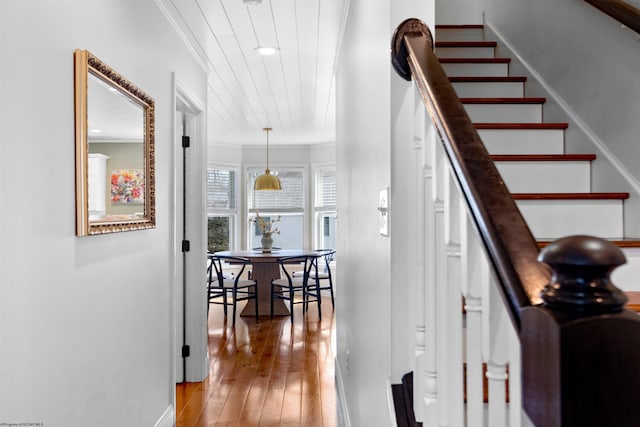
267,130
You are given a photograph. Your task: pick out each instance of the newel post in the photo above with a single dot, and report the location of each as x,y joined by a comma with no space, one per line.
581,348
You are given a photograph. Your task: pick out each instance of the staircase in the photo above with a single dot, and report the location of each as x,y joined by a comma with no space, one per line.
552,188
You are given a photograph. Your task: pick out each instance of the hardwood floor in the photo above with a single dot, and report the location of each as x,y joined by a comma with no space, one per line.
265,373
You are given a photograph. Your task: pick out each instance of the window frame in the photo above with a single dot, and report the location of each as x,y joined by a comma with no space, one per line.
249,213
319,212
232,214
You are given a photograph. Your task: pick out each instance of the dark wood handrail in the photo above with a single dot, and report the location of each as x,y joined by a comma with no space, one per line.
510,245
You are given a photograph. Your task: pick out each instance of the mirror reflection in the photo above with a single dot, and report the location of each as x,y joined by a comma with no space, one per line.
114,151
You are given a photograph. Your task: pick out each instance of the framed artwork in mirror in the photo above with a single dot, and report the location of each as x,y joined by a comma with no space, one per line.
114,149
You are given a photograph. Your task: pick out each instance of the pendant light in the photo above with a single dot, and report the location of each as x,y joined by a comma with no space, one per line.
267,181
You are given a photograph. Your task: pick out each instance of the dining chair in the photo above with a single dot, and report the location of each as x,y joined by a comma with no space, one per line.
220,283
287,287
323,275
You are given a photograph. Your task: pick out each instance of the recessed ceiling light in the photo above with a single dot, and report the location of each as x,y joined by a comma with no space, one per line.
267,50
252,2
96,130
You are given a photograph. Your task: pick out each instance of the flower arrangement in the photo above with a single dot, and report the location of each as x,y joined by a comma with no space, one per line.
266,226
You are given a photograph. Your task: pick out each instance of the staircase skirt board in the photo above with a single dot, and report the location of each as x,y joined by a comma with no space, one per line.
552,219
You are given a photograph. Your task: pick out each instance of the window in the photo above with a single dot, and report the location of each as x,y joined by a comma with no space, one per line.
287,203
325,207
222,190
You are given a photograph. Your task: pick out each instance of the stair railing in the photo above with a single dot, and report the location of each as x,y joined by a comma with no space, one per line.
570,350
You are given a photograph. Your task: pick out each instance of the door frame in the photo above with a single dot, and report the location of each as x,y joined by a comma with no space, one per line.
197,364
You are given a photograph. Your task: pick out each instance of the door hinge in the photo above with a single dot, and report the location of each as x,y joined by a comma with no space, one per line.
185,142
186,351
186,246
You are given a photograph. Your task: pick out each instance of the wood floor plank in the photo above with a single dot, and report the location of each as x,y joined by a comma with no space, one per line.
265,372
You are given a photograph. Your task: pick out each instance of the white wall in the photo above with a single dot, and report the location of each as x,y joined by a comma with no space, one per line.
592,63
374,151
85,323
363,168
457,12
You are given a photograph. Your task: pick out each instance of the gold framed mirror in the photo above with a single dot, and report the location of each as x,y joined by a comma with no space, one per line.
114,136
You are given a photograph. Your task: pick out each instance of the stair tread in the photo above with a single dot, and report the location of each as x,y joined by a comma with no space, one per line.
521,125
534,100
466,43
474,60
542,157
489,79
570,196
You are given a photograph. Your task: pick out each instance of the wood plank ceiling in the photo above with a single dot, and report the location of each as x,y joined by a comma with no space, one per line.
292,91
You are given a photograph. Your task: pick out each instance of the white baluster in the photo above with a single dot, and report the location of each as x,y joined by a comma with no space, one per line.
430,372
419,300
441,292
495,350
515,380
474,265
453,325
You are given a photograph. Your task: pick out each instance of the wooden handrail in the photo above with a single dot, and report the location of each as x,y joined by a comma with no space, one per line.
510,245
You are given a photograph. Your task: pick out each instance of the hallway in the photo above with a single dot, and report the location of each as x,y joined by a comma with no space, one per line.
265,373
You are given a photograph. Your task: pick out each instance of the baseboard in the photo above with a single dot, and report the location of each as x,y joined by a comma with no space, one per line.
167,419
342,408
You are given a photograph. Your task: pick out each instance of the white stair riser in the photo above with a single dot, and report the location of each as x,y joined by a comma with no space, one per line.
504,113
560,218
546,177
476,70
457,34
464,52
489,90
627,276
523,141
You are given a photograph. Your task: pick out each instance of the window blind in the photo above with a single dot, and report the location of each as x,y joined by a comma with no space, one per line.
221,190
289,199
326,188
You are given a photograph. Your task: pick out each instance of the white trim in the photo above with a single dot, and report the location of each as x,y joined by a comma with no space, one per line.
200,58
624,172
196,321
342,408
167,419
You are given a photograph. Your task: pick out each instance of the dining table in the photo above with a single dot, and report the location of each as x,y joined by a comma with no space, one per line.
264,268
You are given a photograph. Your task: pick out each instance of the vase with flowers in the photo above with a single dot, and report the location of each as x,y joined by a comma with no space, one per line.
267,229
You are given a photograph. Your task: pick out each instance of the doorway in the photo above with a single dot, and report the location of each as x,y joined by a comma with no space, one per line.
190,361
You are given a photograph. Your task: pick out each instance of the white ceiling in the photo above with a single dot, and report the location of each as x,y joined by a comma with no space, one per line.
292,92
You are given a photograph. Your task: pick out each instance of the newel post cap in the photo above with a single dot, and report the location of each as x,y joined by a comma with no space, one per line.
580,282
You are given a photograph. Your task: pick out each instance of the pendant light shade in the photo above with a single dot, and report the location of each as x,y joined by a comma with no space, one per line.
267,181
